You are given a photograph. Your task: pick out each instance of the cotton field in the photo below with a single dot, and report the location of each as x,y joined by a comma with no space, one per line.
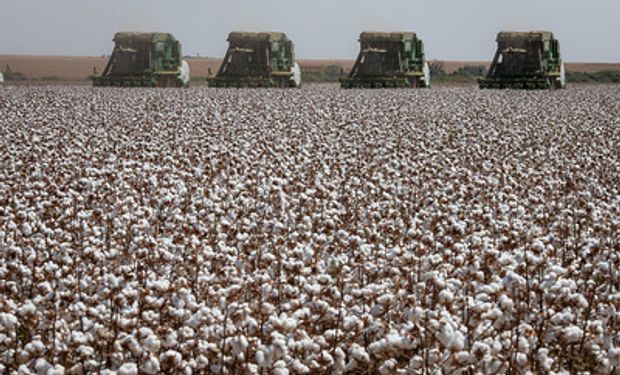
312,231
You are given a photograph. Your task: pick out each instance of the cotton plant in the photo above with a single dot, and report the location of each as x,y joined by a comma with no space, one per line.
312,231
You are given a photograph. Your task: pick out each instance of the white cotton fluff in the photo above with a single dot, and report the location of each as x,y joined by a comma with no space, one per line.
128,369
85,350
572,334
543,358
462,357
260,358
8,320
359,353
279,368
521,359
27,309
42,366
151,366
170,340
387,367
57,370
614,356
152,343
446,297
450,338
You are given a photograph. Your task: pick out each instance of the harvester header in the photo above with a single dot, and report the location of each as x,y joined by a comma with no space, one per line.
525,60
389,59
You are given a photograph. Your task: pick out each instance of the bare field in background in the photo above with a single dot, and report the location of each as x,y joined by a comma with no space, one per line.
71,68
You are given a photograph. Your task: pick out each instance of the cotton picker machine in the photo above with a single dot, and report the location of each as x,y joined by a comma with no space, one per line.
525,60
389,60
258,60
145,59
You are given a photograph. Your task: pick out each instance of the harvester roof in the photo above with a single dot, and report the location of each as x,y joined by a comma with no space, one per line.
376,36
239,36
124,37
507,36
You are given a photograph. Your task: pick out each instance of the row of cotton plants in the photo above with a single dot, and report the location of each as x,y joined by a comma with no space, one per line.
314,231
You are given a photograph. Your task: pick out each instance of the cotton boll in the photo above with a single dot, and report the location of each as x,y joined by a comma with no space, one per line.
128,369
387,367
151,343
572,334
151,366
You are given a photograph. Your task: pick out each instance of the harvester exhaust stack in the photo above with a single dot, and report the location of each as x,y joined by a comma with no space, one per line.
526,60
145,59
264,59
389,60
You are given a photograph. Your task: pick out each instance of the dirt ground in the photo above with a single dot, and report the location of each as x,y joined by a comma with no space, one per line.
71,68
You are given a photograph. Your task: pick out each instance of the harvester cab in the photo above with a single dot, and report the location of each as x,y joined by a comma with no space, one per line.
258,60
389,60
145,59
526,60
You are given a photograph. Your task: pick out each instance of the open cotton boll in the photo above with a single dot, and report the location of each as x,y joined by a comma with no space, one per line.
151,366
128,369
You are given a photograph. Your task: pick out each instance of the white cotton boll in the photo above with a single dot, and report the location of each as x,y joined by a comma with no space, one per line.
151,366
524,345
152,343
279,368
506,303
42,366
462,357
521,359
171,340
339,357
57,370
359,353
128,369
387,367
415,315
27,309
260,358
543,359
35,346
572,334
446,297
299,368
9,321
451,339
24,370
202,362
85,350
614,356
26,229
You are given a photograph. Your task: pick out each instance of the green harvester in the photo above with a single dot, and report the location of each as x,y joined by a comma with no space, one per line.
264,59
525,60
144,60
394,59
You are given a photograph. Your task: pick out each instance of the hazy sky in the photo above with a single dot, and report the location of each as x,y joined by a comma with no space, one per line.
451,29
